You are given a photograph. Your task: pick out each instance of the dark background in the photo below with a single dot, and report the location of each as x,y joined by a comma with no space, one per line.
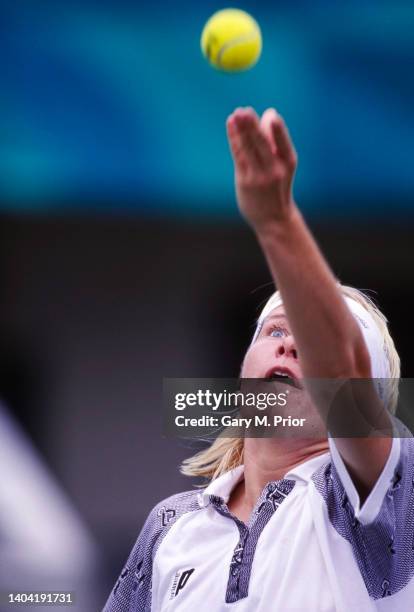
95,312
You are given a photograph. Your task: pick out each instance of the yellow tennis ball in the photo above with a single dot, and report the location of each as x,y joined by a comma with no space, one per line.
231,40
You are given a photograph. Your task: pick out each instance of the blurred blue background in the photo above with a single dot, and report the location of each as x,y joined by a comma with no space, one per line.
111,106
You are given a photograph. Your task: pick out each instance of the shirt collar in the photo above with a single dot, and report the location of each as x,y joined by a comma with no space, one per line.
224,484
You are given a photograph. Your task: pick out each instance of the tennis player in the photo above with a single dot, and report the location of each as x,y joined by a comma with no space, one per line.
313,524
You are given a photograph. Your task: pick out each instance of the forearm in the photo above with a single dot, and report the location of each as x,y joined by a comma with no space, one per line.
328,339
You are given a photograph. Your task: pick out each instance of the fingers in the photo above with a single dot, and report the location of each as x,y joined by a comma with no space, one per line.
236,141
284,146
248,143
266,123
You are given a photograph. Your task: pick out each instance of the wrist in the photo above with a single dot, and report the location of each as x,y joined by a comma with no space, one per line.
279,226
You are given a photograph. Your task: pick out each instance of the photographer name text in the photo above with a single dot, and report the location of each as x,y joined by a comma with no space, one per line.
245,422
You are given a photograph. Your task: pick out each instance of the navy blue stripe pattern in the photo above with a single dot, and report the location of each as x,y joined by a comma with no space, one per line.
132,591
272,496
384,549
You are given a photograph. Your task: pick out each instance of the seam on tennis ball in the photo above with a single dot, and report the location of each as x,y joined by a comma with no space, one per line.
234,41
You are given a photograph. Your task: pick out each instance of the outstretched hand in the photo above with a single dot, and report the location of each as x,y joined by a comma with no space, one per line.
265,162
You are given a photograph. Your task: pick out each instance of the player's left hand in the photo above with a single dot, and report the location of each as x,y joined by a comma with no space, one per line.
265,163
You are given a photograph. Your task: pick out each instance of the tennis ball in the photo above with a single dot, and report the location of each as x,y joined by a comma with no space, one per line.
231,40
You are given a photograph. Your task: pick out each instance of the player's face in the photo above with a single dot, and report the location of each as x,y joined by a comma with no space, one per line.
274,356
274,352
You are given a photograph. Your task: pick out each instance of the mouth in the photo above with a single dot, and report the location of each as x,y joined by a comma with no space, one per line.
284,375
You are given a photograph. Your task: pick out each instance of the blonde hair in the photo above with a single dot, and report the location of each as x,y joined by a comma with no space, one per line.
225,453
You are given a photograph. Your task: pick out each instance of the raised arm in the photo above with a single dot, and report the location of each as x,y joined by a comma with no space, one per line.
329,342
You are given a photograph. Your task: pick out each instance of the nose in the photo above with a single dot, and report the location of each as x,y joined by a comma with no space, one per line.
287,348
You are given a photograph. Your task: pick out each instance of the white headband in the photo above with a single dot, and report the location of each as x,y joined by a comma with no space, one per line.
380,367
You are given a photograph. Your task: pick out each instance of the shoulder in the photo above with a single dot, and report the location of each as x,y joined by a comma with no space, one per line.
133,587
169,510
158,523
333,479
380,531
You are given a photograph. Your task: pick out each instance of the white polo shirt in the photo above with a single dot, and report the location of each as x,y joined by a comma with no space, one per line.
308,546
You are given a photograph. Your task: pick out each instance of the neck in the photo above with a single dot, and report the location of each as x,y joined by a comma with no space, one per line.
270,459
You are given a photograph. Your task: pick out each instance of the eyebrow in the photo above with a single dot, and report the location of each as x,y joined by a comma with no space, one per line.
275,317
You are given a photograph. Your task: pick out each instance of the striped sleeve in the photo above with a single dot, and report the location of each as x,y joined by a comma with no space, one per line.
381,530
